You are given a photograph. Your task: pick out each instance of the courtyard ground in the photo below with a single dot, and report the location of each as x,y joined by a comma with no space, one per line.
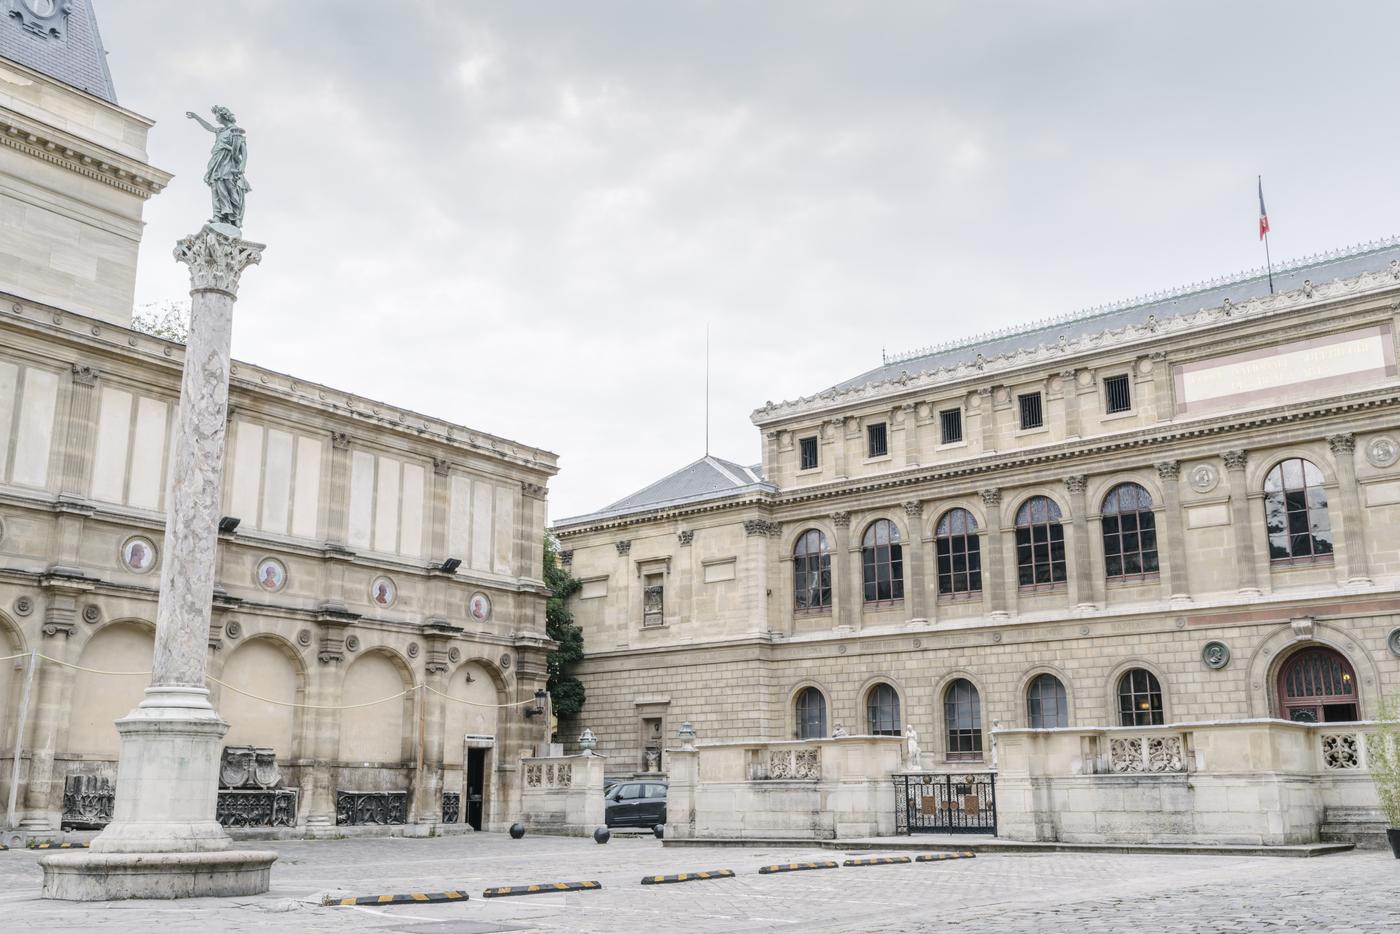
1048,892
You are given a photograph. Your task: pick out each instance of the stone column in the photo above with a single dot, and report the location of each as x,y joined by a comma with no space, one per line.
1178,587
846,599
427,793
43,797
1245,572
916,586
318,781
1081,592
1343,447
167,774
994,578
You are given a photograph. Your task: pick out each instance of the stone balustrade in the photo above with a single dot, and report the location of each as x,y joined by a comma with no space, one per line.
562,794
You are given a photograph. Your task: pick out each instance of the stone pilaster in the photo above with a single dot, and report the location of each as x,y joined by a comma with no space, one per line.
1343,447
1246,575
756,568
1081,592
835,429
916,585
1173,558
1069,392
847,600
995,580
908,415
986,415
685,576
427,793
631,615
43,792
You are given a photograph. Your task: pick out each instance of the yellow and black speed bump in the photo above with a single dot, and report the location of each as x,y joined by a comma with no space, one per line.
506,890
3,848
798,867
689,877
411,898
877,861
939,857
58,846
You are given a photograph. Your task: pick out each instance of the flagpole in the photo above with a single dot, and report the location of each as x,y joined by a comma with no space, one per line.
1264,234
1270,263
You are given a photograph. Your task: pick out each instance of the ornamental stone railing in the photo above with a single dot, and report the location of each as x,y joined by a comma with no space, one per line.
1146,754
356,808
562,794
255,807
1346,748
786,764
549,774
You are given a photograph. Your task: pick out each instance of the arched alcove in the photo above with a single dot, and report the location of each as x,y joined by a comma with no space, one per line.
265,668
100,700
378,732
471,682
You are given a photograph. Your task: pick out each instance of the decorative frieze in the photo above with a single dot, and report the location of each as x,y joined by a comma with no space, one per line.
1146,754
87,802
356,808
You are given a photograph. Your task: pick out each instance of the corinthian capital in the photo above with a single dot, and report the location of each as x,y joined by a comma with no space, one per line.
1077,483
1168,470
1343,443
1235,460
216,260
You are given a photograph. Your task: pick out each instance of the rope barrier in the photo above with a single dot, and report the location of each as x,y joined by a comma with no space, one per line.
476,704
268,700
95,671
7,658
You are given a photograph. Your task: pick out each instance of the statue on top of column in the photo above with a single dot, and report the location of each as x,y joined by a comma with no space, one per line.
227,161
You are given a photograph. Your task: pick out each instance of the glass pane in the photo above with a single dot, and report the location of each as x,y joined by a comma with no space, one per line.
1274,481
1293,474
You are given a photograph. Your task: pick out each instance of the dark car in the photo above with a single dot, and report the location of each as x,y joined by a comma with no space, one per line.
636,804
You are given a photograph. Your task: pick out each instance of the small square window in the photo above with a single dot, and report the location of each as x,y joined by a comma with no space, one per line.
950,420
1032,414
1117,394
879,443
807,453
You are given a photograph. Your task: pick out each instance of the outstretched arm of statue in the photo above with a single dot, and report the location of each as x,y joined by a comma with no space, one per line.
201,121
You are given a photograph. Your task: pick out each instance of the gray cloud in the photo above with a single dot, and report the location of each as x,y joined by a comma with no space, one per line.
521,215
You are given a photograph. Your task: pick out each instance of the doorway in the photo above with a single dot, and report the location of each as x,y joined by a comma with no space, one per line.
476,786
1318,685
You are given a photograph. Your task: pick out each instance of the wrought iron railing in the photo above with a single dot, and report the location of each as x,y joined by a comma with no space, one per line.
246,807
371,807
934,802
87,802
451,807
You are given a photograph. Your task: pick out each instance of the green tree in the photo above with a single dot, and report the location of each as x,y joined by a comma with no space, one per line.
170,320
565,690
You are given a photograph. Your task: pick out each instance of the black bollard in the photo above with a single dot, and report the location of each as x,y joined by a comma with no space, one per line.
517,831
602,835
659,830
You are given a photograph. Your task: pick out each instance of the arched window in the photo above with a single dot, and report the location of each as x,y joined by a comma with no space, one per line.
1317,685
883,561
1295,512
811,572
962,712
1040,543
1139,698
1129,533
959,554
1046,703
882,711
811,714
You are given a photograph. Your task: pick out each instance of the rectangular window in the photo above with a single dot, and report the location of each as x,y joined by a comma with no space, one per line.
879,443
950,420
808,453
1032,415
1117,396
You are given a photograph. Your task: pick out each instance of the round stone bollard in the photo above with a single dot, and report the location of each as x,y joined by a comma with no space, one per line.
602,835
659,831
517,831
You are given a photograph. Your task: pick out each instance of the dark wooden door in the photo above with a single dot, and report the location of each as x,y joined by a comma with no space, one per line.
476,784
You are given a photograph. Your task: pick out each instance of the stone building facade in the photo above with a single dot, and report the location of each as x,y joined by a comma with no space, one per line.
1175,510
379,617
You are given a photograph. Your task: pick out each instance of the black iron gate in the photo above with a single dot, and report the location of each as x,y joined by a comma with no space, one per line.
945,803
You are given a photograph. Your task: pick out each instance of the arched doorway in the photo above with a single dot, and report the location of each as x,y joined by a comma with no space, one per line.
1318,685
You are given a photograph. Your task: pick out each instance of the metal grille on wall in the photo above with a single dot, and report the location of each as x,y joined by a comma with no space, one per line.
371,807
451,807
248,808
945,803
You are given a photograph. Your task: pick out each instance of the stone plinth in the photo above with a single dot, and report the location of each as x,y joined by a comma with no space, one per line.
88,877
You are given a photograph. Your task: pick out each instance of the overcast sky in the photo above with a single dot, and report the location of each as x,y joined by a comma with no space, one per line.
520,216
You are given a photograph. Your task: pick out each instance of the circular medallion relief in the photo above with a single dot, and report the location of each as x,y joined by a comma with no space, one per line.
505,659
383,592
92,614
413,650
233,629
1382,452
138,554
1215,654
479,606
454,655
352,643
271,575
304,637
1393,642
1203,478
23,606
42,7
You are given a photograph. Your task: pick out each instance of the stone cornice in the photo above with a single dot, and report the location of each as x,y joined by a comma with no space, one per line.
91,336
1058,355
81,156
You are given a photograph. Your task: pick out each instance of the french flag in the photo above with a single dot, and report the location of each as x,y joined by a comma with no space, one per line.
1263,214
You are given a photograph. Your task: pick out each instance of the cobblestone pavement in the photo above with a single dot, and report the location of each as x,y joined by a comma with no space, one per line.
1050,892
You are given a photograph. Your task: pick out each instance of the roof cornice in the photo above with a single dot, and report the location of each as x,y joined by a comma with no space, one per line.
81,156
1066,349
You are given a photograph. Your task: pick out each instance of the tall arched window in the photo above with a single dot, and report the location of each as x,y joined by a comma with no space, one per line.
811,714
1295,512
1139,698
1317,685
882,558
1046,703
1129,533
959,554
962,713
1040,543
811,572
882,711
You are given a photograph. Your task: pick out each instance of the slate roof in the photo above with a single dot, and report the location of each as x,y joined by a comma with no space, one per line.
708,478
75,56
1341,264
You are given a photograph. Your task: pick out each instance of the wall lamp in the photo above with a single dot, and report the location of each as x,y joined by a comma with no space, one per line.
450,565
538,710
229,524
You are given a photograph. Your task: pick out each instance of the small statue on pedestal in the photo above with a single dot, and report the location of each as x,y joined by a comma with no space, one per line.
911,743
227,161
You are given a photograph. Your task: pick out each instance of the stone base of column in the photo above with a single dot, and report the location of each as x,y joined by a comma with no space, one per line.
1251,592
100,877
1360,582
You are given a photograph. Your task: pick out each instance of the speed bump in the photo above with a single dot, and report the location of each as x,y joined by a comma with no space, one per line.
798,867
58,846
411,898
939,857
877,861
505,890
689,877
